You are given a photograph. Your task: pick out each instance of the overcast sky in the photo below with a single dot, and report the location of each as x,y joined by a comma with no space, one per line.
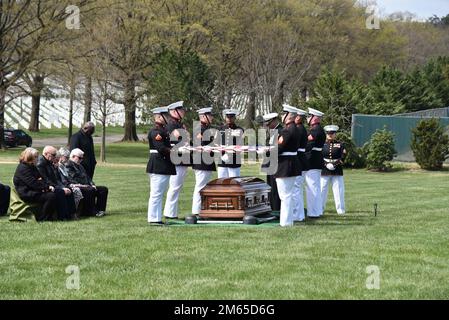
422,8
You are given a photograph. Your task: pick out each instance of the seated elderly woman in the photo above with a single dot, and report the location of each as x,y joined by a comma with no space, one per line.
95,197
32,188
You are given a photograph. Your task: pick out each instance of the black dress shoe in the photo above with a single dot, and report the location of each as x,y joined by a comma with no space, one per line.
158,223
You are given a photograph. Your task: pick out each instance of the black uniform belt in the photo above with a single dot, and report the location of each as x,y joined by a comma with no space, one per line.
289,153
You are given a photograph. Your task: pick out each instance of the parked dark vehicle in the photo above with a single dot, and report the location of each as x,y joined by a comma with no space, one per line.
10,138
17,137
22,138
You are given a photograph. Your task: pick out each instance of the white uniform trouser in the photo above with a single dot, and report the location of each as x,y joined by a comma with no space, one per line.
228,172
201,179
176,182
286,190
313,193
158,186
338,189
299,199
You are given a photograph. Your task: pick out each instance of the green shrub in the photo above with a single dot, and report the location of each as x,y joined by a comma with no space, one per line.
380,150
430,145
354,157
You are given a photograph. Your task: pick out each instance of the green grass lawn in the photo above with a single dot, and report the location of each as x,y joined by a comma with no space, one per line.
121,256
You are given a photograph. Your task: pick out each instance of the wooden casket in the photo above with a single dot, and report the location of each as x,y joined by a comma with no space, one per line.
236,198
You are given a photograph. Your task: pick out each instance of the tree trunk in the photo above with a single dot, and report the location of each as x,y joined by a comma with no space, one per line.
2,116
250,111
130,111
88,100
72,98
36,92
278,99
229,99
103,122
304,94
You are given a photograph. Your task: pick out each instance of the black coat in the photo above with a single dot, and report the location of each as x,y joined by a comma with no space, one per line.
29,183
63,174
333,152
316,139
302,145
76,174
288,165
160,162
202,165
176,125
266,159
49,172
85,142
227,139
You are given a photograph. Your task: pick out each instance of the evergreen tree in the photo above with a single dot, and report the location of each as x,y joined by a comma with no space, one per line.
338,98
429,144
380,150
436,77
180,76
419,93
386,91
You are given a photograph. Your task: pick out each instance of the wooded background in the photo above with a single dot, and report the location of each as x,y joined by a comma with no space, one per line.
253,55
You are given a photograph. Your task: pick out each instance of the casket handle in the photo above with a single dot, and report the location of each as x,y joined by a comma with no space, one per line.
225,205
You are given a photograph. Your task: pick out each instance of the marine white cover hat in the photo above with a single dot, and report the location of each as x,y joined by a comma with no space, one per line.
301,112
176,105
269,116
205,110
315,112
290,109
230,112
332,127
160,110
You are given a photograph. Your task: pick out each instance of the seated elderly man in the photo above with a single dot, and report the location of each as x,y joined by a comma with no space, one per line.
62,158
64,196
5,193
95,197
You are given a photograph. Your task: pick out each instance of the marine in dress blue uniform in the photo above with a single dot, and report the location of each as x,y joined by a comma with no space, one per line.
316,138
334,154
231,135
177,130
304,165
271,122
159,167
289,167
203,168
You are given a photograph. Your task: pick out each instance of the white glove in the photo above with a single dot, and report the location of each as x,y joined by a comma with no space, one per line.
330,166
184,149
235,133
225,158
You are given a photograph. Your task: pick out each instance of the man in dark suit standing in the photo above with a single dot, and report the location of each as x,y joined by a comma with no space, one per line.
83,140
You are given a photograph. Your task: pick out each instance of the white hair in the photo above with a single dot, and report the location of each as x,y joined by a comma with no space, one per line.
64,152
76,153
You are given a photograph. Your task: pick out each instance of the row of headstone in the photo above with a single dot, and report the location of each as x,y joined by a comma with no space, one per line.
54,113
